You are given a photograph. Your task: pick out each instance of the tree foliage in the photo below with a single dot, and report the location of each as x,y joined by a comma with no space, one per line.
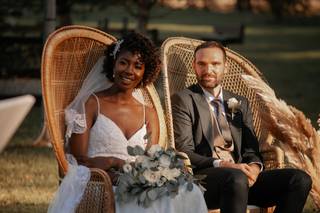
12,10
283,8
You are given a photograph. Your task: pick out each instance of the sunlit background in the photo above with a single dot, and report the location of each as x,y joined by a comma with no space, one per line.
281,37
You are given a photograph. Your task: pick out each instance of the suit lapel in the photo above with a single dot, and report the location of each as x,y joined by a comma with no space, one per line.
204,112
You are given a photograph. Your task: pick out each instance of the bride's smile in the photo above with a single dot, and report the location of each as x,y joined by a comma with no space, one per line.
128,70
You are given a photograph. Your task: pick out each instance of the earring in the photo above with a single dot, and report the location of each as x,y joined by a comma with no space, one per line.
113,75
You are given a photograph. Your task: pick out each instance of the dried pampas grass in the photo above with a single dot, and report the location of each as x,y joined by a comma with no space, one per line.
293,130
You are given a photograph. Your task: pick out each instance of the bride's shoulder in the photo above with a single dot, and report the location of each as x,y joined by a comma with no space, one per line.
92,102
91,107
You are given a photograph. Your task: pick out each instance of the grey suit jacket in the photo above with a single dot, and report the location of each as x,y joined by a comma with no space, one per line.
193,128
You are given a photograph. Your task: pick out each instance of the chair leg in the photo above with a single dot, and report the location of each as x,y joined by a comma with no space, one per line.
256,210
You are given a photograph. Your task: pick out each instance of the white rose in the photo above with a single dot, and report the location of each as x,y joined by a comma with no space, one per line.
175,172
140,159
154,149
145,162
151,176
164,161
233,103
127,168
166,172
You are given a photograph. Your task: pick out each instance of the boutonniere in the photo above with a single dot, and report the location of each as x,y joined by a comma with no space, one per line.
233,105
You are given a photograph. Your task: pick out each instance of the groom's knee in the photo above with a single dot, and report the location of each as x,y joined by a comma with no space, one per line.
301,181
237,183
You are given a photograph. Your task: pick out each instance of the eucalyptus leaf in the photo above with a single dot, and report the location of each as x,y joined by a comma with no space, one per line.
181,180
161,191
136,191
152,194
202,188
130,150
125,197
147,202
142,196
138,150
190,186
200,177
121,189
130,180
142,179
172,186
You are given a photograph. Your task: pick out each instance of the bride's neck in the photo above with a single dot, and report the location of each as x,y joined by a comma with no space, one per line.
119,94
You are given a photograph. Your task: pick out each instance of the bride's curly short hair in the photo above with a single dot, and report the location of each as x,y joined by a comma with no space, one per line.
134,43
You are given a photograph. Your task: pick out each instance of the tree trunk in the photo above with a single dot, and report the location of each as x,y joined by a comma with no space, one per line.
49,26
64,12
142,23
50,18
143,16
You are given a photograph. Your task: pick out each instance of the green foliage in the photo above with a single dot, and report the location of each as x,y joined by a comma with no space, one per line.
18,9
288,7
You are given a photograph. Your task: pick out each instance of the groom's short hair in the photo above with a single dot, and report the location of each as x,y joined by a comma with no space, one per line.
211,44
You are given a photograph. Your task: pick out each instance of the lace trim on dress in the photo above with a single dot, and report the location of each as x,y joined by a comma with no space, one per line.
75,122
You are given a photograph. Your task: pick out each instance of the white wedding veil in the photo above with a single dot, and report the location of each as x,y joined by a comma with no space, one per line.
95,81
75,112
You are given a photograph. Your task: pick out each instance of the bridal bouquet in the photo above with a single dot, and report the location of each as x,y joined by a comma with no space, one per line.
155,173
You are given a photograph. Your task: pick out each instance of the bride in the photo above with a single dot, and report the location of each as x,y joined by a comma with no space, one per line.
107,116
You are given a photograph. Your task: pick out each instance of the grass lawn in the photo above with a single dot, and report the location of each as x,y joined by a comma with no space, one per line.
28,176
288,54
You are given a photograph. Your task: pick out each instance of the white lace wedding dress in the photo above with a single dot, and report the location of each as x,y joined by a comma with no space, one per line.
107,139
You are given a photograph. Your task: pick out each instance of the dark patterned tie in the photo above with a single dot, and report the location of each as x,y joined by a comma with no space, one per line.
222,122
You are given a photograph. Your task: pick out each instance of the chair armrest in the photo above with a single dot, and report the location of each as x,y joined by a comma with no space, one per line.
186,161
98,195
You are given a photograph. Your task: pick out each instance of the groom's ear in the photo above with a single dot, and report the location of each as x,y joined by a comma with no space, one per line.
226,67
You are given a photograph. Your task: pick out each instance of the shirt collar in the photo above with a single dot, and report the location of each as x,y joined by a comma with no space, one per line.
209,97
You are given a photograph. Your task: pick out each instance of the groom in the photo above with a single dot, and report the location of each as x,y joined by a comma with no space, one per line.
220,141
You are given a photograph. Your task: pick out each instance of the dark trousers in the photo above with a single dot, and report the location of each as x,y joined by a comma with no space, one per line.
228,189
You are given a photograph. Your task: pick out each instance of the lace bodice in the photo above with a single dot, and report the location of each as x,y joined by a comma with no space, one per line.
107,139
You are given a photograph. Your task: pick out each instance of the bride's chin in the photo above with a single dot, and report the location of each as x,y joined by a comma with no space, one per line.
125,86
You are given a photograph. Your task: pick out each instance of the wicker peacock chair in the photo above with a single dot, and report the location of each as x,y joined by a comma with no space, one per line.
177,74
68,56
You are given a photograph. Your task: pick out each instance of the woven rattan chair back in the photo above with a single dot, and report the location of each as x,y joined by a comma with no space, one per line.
68,56
177,72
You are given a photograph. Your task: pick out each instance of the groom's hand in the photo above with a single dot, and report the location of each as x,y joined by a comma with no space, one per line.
251,171
254,173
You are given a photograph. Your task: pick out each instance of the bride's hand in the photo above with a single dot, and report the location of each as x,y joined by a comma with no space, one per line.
118,163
